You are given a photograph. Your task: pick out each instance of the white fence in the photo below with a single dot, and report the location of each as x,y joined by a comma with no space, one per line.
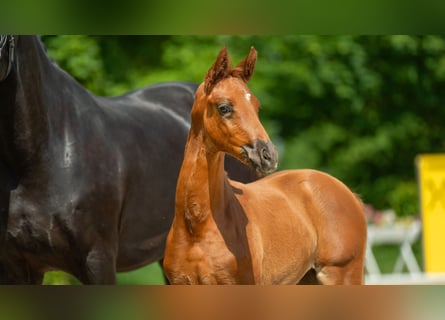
404,236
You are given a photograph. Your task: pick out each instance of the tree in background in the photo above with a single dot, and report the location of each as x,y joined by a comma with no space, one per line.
358,107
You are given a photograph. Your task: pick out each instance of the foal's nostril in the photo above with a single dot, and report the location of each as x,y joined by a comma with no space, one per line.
266,154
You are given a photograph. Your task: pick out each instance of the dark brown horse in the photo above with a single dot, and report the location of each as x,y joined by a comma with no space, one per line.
87,183
289,227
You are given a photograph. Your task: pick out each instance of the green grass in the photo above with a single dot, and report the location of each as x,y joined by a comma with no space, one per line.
148,275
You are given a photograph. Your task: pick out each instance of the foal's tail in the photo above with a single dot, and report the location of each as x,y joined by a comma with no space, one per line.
361,203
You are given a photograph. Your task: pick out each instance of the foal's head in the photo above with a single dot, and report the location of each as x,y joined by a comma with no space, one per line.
229,114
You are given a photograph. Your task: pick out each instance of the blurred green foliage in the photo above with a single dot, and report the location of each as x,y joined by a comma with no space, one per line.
358,107
206,17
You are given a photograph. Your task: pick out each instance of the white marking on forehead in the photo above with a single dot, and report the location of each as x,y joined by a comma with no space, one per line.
247,95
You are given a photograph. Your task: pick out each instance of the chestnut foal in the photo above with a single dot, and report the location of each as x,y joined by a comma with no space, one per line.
289,227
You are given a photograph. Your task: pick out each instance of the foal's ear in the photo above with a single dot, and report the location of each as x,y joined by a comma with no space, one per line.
218,71
248,65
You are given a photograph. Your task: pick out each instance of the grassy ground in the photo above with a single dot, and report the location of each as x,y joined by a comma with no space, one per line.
148,275
386,256
152,274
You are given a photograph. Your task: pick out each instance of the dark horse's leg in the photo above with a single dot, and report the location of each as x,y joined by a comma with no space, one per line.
19,274
100,267
5,275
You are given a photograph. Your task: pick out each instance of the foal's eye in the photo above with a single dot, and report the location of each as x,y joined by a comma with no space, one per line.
224,109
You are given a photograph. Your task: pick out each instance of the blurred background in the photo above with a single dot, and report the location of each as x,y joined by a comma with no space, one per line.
358,107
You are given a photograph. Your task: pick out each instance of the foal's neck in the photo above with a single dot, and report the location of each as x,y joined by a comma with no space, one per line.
203,188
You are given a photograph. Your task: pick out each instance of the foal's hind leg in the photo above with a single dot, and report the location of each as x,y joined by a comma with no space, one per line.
349,274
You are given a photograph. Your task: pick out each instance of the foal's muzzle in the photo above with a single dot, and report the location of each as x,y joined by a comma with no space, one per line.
262,155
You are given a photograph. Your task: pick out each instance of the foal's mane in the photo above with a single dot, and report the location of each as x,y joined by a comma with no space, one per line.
222,69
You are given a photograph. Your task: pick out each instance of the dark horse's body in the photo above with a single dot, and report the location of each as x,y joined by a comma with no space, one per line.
87,183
